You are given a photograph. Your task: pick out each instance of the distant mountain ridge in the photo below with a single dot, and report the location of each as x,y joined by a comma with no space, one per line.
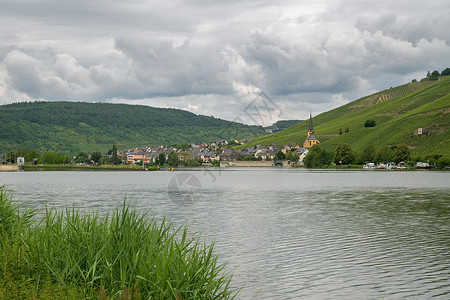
398,113
70,127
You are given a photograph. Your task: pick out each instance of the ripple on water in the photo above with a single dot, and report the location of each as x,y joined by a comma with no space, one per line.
290,234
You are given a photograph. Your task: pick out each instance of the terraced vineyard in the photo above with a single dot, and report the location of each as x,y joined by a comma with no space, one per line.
391,93
398,113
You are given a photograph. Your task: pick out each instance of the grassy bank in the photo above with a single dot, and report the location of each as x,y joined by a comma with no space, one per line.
125,255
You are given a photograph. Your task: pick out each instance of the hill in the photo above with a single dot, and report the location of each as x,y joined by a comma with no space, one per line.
398,113
69,127
284,124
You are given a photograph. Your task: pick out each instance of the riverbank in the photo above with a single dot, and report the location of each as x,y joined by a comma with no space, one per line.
9,168
125,255
85,168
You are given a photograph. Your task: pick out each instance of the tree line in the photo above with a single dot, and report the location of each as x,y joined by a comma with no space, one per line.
55,158
344,155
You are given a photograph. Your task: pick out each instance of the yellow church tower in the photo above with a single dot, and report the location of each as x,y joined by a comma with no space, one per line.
311,139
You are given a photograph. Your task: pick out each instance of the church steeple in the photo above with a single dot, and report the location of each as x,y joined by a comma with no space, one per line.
311,139
311,129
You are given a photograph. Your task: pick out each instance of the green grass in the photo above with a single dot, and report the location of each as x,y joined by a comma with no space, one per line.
69,255
397,111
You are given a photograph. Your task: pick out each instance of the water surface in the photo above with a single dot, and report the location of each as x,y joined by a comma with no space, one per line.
286,233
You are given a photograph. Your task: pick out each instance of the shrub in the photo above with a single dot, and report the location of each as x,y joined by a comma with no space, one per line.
446,72
443,162
434,75
370,123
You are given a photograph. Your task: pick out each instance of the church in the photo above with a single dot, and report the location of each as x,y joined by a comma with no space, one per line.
311,139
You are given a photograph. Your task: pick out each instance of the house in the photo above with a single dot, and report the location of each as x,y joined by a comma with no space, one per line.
229,155
294,145
302,152
207,155
266,154
136,158
311,140
286,149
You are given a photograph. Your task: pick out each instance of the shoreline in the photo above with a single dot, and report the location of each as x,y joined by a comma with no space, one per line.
9,168
243,165
83,168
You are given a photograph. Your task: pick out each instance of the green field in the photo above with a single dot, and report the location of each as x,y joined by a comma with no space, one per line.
398,112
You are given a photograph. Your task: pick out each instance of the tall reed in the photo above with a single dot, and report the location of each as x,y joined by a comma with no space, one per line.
124,252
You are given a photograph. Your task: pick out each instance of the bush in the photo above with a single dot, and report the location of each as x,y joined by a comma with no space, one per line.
434,75
446,72
443,162
370,123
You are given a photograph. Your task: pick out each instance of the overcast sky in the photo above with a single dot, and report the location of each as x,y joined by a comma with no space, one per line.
213,57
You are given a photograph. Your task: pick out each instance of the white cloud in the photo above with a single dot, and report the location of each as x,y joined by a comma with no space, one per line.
211,57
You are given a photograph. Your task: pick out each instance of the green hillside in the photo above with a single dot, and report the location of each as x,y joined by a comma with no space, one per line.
70,127
284,123
398,112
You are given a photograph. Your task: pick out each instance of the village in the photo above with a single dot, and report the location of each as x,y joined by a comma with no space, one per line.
223,153
220,151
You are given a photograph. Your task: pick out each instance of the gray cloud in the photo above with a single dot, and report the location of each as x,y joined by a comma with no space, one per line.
212,57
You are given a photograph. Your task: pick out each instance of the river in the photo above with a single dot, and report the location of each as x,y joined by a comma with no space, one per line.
286,233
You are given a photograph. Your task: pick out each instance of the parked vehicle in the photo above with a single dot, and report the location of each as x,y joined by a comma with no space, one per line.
424,165
369,166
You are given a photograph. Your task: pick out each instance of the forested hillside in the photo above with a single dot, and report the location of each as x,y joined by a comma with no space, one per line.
397,114
70,127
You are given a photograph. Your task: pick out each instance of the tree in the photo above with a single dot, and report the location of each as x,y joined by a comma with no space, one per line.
32,155
368,154
383,155
161,159
11,156
370,123
114,155
81,157
402,153
318,157
446,72
434,75
173,159
344,154
52,157
292,156
280,155
96,156
27,154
